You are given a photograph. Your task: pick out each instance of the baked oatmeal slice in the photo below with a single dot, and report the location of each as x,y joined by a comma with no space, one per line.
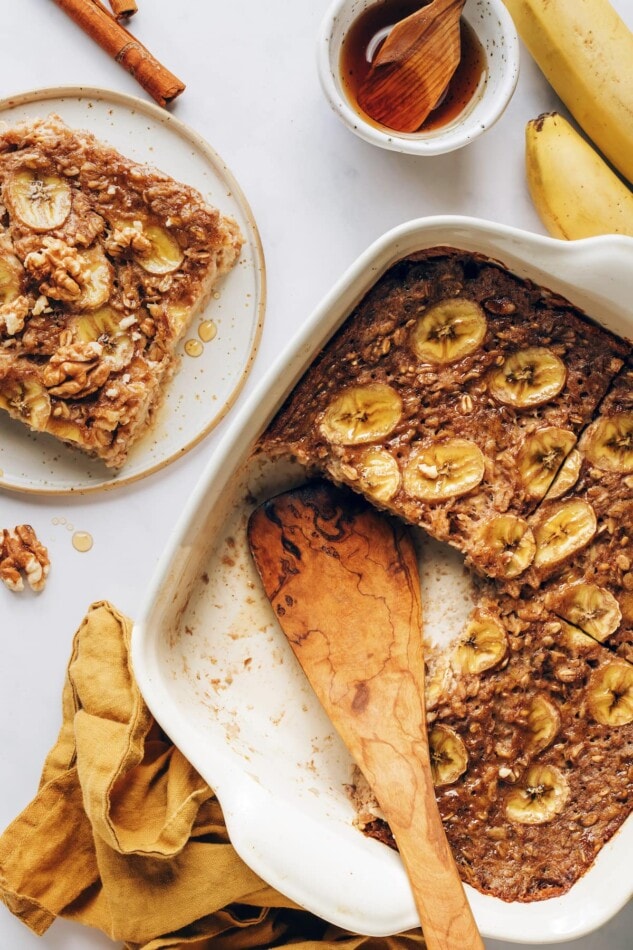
590,582
103,264
531,736
451,397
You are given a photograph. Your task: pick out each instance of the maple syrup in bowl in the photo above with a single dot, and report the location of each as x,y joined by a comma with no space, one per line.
481,87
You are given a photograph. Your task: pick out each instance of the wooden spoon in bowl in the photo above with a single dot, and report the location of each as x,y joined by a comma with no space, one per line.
413,67
343,582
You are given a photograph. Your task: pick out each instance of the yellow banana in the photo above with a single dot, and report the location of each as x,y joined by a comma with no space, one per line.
574,191
585,51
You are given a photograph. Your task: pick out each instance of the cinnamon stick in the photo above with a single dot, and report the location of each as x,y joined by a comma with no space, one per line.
123,8
100,25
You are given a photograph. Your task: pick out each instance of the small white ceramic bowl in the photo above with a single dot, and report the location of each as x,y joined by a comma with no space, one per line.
495,30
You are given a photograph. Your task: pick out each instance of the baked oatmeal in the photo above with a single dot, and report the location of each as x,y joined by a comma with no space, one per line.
451,397
103,263
496,416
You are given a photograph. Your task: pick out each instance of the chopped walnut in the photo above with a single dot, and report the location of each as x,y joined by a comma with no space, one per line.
57,266
128,236
22,553
76,369
13,314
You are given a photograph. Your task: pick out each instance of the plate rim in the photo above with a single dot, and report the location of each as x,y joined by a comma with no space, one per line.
188,134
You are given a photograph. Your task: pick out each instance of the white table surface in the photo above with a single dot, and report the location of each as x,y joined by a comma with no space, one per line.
320,196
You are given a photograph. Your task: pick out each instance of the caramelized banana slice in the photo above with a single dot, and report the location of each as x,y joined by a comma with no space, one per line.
610,694
96,280
504,546
528,378
165,254
541,456
594,609
10,278
361,414
541,796
379,475
449,330
102,326
482,645
449,758
567,476
444,470
41,202
26,400
608,443
543,721
562,530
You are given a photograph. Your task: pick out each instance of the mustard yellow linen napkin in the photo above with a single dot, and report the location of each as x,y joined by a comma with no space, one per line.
125,836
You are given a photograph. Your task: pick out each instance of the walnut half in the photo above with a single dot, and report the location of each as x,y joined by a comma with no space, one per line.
22,553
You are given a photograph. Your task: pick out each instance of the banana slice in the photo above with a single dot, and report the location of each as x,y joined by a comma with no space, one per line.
528,378
165,255
608,443
65,430
444,470
567,475
610,694
26,400
449,758
594,609
541,456
96,280
10,279
543,721
102,326
378,473
449,330
542,795
41,202
361,414
564,528
482,645
505,546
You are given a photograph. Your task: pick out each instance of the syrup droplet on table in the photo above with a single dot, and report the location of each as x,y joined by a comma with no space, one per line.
82,541
370,29
193,348
207,331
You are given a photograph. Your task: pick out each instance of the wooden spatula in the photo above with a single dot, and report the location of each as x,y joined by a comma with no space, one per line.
343,582
413,67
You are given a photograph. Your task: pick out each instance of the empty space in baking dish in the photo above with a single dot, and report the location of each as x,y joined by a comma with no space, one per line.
221,679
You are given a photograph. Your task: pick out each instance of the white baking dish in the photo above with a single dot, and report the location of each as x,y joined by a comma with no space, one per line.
220,678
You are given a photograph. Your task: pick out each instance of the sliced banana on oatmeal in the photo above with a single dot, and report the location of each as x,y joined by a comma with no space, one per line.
563,529
165,254
541,456
96,280
26,400
610,693
448,755
543,721
449,330
567,476
41,202
10,278
539,797
608,443
361,414
594,609
103,326
482,645
504,546
378,473
528,378
444,470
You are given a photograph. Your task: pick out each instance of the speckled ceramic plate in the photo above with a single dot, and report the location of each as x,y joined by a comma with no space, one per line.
220,677
206,386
